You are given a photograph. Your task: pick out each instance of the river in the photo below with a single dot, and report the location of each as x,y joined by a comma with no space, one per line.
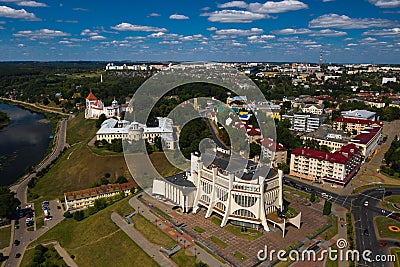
23,142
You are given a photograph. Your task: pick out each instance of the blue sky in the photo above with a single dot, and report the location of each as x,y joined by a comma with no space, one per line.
353,31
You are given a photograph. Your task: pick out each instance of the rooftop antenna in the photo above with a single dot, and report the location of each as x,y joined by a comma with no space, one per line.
320,57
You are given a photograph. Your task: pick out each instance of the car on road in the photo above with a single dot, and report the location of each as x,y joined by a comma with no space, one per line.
16,242
397,244
18,255
366,232
388,193
382,244
326,196
366,203
48,218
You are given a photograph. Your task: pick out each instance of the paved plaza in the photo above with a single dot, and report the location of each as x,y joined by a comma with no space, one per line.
312,221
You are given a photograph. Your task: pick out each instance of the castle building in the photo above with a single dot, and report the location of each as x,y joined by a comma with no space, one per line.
95,107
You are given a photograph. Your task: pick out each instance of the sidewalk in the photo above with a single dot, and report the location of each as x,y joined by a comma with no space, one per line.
151,249
183,239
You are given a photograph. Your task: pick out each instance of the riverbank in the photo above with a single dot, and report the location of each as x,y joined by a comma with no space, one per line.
52,118
4,119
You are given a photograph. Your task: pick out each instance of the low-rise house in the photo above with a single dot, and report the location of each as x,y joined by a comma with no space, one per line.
311,108
85,198
351,125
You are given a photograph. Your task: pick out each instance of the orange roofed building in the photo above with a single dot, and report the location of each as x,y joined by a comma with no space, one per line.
95,107
85,198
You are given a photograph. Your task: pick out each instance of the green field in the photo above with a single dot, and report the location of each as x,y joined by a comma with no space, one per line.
238,255
184,258
198,229
387,203
396,252
5,235
331,231
79,129
218,242
97,241
383,231
52,258
151,232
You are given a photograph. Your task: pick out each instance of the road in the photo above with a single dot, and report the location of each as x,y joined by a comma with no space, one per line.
363,217
24,236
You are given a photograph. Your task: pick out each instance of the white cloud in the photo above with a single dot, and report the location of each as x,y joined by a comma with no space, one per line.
170,42
153,15
260,39
31,4
352,44
8,12
328,33
395,32
211,29
237,44
97,37
289,31
271,7
40,34
79,9
178,17
239,32
239,4
233,16
124,26
20,45
385,3
345,22
327,1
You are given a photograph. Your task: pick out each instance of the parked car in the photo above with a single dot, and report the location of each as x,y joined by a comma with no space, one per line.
48,218
366,203
382,244
16,242
18,255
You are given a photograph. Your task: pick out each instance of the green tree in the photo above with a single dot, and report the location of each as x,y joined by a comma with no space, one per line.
312,197
284,167
121,179
255,150
101,119
327,208
67,214
79,215
8,202
100,204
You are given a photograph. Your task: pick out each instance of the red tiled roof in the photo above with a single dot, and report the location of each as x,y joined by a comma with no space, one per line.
366,135
91,96
99,190
341,156
356,121
271,145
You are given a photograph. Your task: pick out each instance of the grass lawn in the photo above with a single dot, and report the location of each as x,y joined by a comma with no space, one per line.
249,234
198,229
240,256
216,220
391,200
97,241
382,223
39,222
52,258
331,231
80,129
396,252
184,258
151,232
297,192
218,242
5,235
330,263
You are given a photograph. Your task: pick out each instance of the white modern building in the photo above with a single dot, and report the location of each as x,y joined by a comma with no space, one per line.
311,108
245,197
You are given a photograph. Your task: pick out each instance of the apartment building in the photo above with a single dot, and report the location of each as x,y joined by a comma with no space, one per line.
338,167
351,124
304,122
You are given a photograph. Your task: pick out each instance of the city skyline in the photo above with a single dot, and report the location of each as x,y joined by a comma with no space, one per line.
365,31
